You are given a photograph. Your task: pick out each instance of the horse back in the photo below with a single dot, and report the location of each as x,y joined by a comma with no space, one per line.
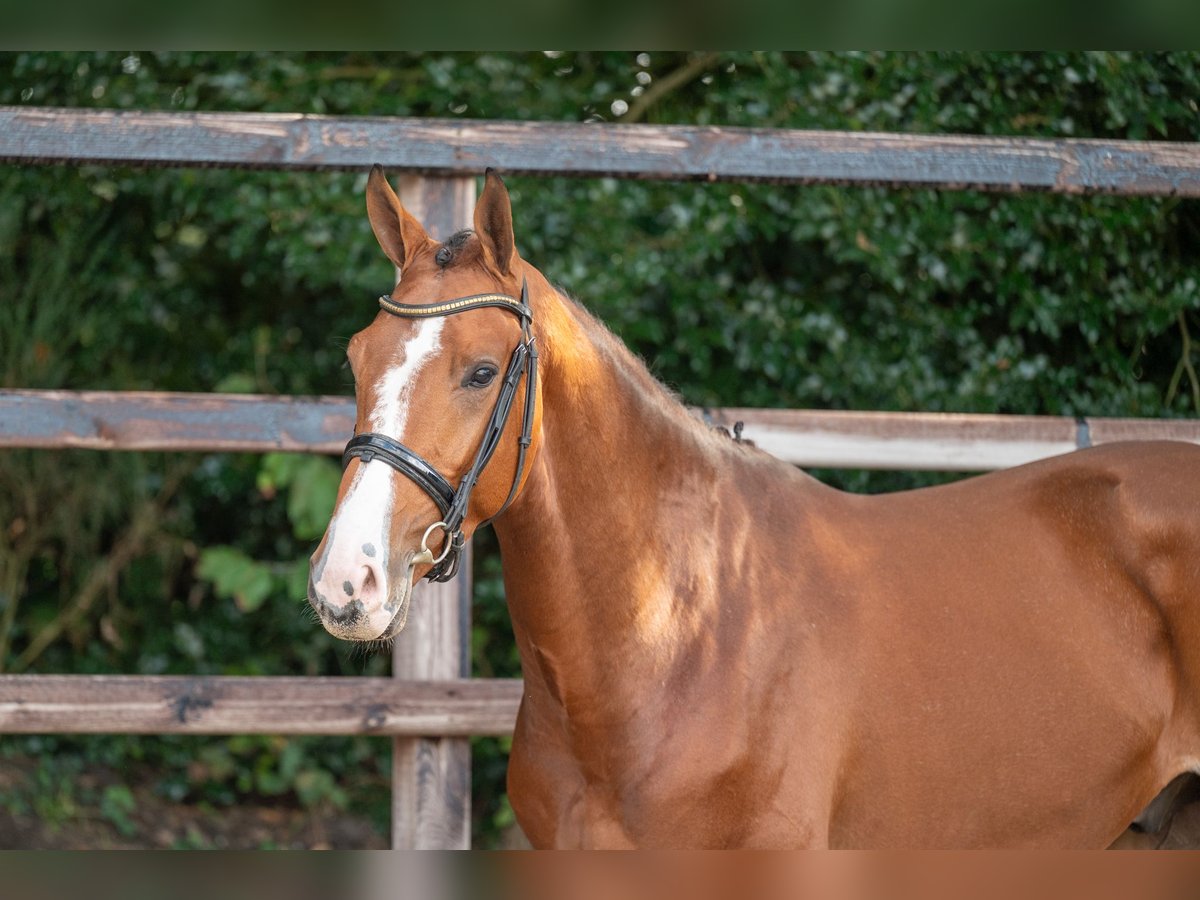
1021,643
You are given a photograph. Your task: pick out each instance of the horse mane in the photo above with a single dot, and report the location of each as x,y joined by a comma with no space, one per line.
634,369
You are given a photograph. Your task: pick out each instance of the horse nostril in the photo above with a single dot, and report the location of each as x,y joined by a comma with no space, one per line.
347,592
368,582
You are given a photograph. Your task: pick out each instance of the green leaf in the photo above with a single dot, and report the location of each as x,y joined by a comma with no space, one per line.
235,383
234,574
116,805
277,470
189,640
311,495
312,485
314,786
296,580
270,783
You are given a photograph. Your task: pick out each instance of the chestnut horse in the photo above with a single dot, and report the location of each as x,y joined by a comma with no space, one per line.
720,651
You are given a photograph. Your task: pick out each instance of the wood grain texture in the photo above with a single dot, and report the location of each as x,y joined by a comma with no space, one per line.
136,704
1106,431
911,441
133,420
465,147
431,794
431,775
258,423
962,442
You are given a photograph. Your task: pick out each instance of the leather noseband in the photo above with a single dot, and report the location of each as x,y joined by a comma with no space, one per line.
451,503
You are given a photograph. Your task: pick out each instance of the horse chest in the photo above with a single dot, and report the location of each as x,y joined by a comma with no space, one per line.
555,804
559,806
707,781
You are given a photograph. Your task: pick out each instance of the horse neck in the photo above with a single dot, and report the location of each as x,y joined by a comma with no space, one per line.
603,548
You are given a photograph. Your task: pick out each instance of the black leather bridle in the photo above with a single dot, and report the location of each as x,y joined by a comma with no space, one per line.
450,502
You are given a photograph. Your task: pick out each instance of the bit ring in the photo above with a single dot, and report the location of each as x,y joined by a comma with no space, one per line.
426,555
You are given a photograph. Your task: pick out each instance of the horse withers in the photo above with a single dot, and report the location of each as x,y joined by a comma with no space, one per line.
720,651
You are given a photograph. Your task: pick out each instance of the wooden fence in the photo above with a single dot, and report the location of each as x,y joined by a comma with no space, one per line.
431,705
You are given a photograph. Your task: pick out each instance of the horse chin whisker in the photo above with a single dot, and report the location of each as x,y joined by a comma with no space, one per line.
365,649
383,644
307,612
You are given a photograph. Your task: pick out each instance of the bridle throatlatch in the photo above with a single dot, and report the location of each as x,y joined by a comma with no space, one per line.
452,503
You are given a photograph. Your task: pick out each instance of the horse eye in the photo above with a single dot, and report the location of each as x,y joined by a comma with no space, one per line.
481,377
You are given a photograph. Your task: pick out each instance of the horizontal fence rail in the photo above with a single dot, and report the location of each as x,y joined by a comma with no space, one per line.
38,135
102,420
151,420
952,442
136,704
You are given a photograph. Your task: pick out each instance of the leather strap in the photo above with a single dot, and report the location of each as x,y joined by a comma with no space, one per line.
371,445
451,307
526,437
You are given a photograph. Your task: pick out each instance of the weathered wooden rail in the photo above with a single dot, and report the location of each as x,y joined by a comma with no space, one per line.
258,423
679,152
179,704
431,704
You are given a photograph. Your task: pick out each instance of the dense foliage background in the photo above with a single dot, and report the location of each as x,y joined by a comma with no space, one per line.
749,295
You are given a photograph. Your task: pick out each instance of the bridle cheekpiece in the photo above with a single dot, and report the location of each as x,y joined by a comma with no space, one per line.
452,503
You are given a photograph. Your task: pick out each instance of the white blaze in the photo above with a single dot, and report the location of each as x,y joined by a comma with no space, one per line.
394,390
359,532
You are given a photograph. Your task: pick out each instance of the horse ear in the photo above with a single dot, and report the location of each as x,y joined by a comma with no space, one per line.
493,223
398,233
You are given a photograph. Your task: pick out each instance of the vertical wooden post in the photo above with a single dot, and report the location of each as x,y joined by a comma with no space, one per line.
431,777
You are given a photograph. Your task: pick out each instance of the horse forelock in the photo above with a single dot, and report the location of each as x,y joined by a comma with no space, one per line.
451,250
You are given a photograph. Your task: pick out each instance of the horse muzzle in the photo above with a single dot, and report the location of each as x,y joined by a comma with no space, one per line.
367,605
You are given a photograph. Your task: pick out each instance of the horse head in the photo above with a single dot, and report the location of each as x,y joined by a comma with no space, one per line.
446,418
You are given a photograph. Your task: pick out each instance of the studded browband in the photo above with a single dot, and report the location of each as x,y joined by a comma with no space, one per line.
462,304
